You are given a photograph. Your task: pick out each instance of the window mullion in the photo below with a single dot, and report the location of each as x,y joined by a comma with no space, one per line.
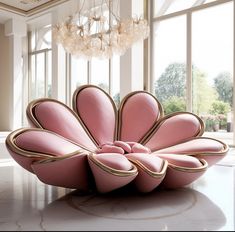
89,72
111,77
189,76
46,74
36,77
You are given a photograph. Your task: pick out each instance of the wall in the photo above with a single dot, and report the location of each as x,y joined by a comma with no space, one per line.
5,84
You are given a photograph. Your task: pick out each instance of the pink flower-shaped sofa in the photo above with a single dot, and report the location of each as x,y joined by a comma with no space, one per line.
97,145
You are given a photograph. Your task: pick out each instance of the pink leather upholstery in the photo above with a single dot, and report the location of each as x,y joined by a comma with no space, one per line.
51,115
173,130
98,112
135,144
134,108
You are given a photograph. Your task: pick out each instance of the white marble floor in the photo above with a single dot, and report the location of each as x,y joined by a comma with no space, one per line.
26,204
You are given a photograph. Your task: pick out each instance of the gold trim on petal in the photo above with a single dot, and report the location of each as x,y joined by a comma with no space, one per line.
222,152
62,157
10,142
113,171
191,170
124,101
160,174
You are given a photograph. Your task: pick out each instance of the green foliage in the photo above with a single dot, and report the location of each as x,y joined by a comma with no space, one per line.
170,89
224,86
217,115
171,82
174,104
203,93
220,107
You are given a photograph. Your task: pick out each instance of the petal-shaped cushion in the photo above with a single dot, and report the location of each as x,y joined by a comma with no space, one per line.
153,163
173,129
183,161
182,170
45,142
138,113
139,148
125,146
114,160
97,111
53,159
110,149
57,117
211,150
69,172
110,175
151,171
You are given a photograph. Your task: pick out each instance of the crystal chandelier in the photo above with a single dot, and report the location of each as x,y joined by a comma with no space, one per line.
99,32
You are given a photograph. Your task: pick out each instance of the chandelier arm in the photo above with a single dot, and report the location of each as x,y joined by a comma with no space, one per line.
79,12
111,11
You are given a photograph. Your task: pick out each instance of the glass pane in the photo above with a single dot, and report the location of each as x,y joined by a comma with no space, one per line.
78,73
32,41
62,83
49,74
44,38
116,79
169,63
40,75
32,94
100,73
162,7
212,56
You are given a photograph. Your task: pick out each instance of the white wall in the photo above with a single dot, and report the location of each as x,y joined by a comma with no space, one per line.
11,79
5,82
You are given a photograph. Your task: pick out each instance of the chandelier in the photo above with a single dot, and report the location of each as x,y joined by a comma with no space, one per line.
99,32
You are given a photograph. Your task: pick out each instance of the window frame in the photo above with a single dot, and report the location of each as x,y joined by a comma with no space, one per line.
38,39
199,5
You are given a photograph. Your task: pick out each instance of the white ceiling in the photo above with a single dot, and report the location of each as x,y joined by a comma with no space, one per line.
22,8
29,11
23,4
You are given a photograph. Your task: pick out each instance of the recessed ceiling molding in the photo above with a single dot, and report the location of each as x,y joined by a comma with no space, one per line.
12,9
33,11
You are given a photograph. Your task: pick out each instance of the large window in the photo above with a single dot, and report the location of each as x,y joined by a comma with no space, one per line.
192,65
169,63
212,58
40,75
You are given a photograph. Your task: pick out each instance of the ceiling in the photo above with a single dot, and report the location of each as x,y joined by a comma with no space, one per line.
28,7
25,8
23,5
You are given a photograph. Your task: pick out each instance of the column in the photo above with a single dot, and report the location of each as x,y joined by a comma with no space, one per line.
15,30
132,62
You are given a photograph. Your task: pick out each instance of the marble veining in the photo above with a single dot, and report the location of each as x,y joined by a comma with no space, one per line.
27,204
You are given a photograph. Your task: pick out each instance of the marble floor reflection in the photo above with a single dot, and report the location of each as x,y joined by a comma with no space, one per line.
26,204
